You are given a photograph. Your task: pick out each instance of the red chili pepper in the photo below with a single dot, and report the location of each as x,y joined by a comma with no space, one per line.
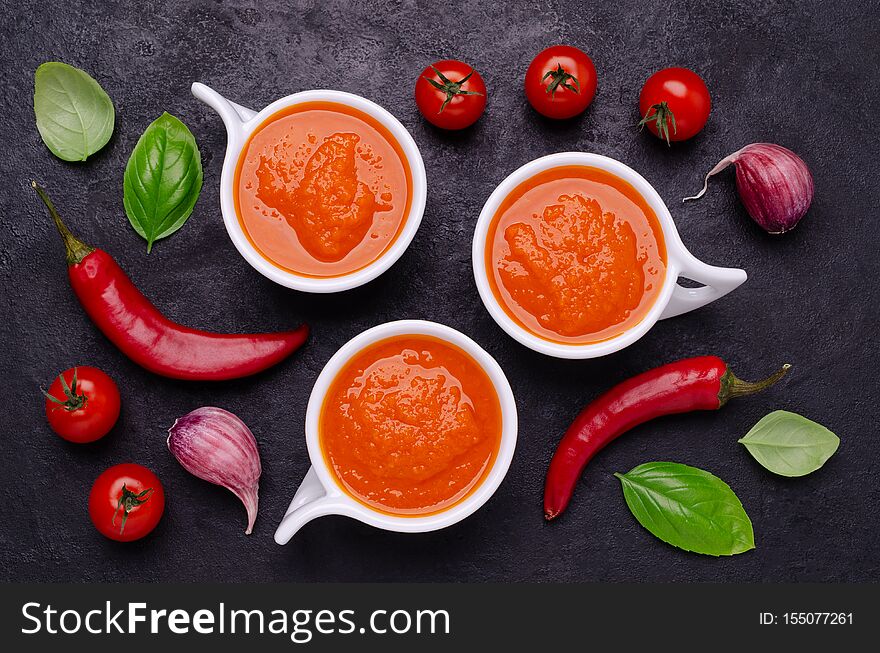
701,383
150,339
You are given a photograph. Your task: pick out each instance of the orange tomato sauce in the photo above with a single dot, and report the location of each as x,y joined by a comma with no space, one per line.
575,255
411,425
322,189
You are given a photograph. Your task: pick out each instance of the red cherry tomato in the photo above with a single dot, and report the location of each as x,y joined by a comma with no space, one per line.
451,94
82,404
126,502
561,82
674,104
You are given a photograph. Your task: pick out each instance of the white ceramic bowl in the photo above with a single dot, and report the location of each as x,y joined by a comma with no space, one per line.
240,124
674,299
321,493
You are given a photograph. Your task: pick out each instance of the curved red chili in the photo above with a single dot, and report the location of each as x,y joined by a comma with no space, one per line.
701,383
149,338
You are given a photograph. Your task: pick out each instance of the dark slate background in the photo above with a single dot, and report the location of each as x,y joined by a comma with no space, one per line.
796,73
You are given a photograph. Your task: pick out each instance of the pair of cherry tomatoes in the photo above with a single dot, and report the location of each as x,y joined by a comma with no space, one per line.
674,102
126,501
561,83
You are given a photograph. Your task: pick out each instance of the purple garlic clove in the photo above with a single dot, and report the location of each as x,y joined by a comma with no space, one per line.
774,184
216,446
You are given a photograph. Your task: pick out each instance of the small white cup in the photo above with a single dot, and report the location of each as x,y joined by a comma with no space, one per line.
674,299
241,122
321,494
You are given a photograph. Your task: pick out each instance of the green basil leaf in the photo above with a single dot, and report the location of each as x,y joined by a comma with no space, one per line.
789,444
163,179
688,508
75,117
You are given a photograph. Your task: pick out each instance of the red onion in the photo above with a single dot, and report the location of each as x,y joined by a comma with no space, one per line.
218,447
773,182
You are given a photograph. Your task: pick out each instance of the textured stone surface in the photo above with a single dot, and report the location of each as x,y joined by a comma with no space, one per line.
796,73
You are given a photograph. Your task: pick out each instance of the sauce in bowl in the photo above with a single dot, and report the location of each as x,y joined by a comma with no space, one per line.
322,189
575,255
411,425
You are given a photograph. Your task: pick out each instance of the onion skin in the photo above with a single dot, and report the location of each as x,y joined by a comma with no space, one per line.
216,446
774,184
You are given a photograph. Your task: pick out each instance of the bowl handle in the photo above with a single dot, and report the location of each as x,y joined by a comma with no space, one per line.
718,282
310,501
233,115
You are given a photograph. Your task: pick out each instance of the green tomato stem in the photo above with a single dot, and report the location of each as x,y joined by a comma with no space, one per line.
450,88
661,117
73,400
128,501
560,77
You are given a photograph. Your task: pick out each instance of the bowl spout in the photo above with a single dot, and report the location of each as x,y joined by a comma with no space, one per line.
310,501
234,115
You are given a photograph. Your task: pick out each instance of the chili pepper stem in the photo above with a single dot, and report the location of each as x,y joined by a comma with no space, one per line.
76,249
732,387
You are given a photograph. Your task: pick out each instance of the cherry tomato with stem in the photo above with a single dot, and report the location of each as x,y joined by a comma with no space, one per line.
126,502
674,104
561,82
82,404
450,94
